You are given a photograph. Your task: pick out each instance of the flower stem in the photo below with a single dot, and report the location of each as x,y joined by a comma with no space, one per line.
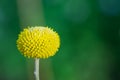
36,70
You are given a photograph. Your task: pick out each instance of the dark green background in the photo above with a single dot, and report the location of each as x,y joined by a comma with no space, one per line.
90,40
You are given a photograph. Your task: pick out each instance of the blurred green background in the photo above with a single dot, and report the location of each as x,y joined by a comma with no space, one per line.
90,39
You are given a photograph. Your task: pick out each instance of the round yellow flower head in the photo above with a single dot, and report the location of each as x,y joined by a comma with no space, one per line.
38,42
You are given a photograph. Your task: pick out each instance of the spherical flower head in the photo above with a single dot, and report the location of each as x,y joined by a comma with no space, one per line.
38,42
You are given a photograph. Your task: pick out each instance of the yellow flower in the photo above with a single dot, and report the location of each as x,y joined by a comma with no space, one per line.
38,42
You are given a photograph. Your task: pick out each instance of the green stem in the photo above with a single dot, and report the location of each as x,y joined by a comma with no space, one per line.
36,70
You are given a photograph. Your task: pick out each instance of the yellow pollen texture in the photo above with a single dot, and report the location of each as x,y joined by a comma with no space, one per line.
38,42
